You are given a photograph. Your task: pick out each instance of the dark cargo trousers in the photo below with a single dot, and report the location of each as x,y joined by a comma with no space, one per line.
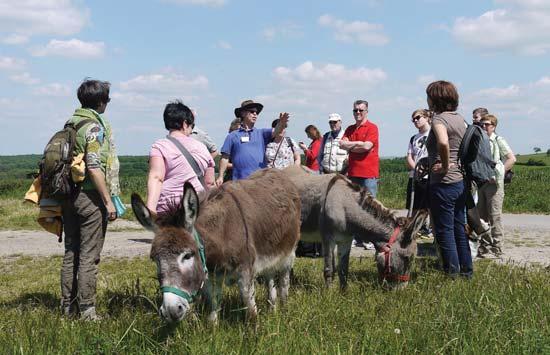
85,225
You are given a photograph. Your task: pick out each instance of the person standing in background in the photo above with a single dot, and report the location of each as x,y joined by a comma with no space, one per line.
312,152
491,194
332,158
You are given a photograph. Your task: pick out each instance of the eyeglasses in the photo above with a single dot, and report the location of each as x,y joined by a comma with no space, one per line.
333,122
254,112
416,118
486,124
355,110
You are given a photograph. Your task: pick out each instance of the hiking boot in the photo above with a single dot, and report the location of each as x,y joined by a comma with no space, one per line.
89,314
68,309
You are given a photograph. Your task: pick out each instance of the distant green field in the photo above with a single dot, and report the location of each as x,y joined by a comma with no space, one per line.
528,193
542,157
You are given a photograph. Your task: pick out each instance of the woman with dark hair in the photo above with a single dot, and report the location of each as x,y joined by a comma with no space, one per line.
312,152
169,169
447,192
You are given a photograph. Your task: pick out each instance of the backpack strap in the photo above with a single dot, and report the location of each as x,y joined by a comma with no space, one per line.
189,159
82,123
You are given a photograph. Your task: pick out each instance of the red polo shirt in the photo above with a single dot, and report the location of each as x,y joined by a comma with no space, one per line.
363,165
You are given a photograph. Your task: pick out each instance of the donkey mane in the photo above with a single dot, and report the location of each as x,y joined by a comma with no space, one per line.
367,202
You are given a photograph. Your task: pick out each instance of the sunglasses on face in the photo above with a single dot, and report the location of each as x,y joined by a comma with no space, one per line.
356,110
416,118
253,112
486,124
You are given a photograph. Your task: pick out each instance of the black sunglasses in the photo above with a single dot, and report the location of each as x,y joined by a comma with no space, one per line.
416,118
358,110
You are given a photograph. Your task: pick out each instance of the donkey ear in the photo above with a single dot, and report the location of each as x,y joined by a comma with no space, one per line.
142,213
190,203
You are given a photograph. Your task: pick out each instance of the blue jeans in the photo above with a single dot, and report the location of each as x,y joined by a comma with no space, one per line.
447,203
370,183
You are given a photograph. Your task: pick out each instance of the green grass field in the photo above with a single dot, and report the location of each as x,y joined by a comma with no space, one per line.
528,193
503,310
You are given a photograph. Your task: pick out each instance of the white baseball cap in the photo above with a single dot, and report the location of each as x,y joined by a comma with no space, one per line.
334,117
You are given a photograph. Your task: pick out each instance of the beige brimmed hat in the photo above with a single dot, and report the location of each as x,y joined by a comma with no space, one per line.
334,117
248,104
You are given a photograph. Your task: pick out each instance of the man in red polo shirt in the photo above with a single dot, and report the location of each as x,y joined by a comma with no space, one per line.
361,141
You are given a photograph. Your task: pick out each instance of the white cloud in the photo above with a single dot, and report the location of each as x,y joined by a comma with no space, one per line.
329,76
47,17
510,91
15,39
73,48
11,64
521,27
284,30
164,82
224,45
212,3
24,78
544,81
361,32
53,90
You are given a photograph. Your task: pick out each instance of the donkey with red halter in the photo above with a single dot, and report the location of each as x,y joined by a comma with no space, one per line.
244,229
337,208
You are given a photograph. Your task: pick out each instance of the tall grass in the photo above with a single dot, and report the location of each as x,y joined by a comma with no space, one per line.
502,310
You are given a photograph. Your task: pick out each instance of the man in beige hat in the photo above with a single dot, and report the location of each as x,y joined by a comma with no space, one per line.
245,147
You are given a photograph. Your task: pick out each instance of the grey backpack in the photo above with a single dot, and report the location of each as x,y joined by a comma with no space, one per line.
475,156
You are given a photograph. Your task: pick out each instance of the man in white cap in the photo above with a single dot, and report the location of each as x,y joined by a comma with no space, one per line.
333,159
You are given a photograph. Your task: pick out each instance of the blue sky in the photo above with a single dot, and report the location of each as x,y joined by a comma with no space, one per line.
310,58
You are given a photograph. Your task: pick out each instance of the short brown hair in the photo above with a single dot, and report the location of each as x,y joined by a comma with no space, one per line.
359,102
423,112
491,118
482,111
443,96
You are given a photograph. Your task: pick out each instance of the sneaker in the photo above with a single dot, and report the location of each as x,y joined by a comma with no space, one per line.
89,314
358,244
369,246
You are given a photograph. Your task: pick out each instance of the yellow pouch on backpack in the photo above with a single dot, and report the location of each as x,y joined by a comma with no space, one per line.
78,169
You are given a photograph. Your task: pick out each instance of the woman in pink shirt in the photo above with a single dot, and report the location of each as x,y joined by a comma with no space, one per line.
169,170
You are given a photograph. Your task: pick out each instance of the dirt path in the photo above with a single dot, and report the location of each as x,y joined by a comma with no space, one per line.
527,240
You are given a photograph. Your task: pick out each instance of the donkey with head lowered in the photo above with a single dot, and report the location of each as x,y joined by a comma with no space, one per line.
242,230
337,208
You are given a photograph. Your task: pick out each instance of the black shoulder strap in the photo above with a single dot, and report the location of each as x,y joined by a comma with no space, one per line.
290,144
189,158
465,143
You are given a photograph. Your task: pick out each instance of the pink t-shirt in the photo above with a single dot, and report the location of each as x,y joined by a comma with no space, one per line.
178,169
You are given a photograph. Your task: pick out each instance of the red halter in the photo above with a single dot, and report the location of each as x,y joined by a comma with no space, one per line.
386,249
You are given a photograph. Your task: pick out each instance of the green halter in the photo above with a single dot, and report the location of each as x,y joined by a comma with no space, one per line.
190,297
